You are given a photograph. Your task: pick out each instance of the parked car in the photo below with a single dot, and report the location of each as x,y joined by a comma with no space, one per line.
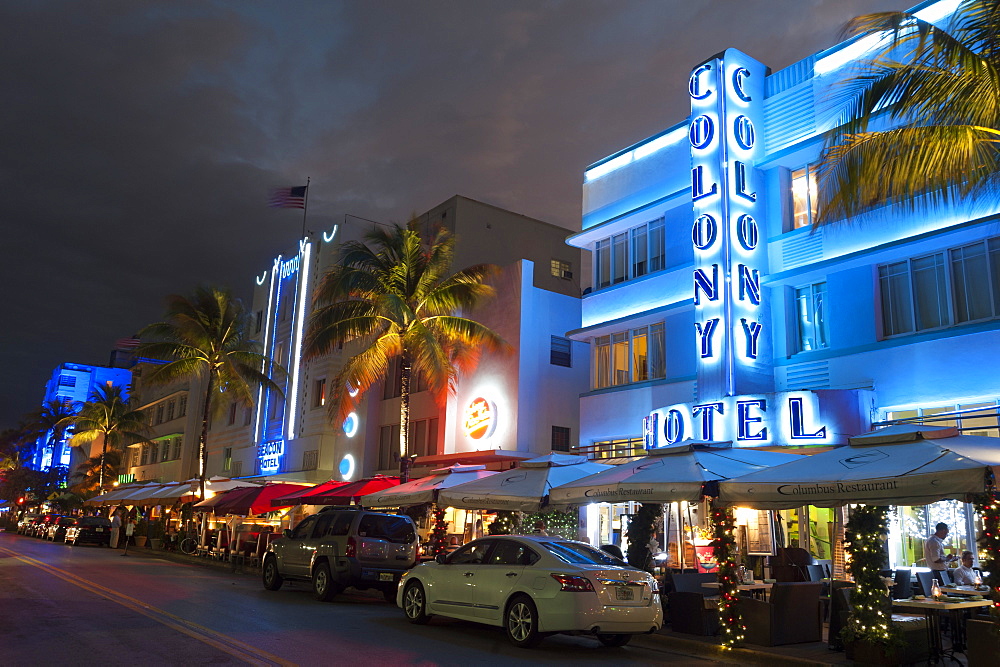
41,527
26,520
341,547
57,529
532,586
94,529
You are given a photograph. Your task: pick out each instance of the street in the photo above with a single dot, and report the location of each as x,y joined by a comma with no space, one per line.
91,605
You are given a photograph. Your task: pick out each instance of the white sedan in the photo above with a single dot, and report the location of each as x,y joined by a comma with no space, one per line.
534,586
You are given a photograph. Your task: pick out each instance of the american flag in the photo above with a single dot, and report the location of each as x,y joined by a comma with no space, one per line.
127,343
289,197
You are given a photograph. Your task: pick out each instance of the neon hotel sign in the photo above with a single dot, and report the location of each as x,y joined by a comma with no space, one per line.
731,313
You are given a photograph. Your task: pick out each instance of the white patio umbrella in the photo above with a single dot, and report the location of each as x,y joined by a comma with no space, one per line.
425,489
524,488
667,474
899,465
112,497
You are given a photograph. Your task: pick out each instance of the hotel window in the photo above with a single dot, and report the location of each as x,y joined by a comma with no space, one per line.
232,413
227,458
182,404
165,450
810,315
417,438
561,269
67,381
137,456
319,393
560,438
159,413
177,447
154,451
610,449
247,415
971,419
804,197
388,447
942,289
237,469
260,321
432,436
632,254
630,356
561,351
310,459
170,410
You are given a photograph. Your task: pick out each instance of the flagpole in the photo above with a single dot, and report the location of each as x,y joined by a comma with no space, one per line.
305,208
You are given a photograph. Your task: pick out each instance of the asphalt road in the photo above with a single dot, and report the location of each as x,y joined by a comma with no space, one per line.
90,605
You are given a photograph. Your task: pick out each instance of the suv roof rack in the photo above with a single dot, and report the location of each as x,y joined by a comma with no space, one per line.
356,508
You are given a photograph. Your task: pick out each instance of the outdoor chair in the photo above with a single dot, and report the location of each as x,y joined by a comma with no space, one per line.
693,609
926,581
914,627
840,607
903,588
945,577
791,615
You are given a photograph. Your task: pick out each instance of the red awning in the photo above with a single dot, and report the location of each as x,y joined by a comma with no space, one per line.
343,495
301,497
255,500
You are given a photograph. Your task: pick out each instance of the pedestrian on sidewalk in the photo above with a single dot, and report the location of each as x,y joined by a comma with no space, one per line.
116,526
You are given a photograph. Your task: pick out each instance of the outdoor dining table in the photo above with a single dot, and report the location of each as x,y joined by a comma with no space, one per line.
754,588
931,610
964,590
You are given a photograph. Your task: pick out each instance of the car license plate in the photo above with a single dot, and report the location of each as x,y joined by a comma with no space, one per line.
99,530
385,576
623,593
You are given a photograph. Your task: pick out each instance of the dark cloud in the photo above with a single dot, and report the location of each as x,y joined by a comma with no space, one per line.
141,138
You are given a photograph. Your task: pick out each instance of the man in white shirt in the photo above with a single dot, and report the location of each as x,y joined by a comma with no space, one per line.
964,574
934,549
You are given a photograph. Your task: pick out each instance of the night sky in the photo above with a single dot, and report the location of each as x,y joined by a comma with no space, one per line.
140,140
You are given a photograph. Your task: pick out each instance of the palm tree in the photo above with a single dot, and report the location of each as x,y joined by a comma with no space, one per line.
89,475
51,422
107,416
396,298
935,88
15,446
207,337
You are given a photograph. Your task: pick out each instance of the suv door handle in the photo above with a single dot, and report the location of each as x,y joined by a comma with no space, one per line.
470,574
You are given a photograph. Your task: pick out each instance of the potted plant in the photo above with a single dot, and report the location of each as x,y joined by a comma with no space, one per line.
155,533
141,532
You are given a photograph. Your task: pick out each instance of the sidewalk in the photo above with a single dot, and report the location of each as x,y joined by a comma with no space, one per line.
815,654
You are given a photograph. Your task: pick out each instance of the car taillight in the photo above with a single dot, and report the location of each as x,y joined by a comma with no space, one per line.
573,583
352,547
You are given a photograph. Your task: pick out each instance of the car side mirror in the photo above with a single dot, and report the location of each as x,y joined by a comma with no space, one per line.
441,558
287,532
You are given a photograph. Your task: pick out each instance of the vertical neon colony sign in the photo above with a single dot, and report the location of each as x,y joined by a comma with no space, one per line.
727,97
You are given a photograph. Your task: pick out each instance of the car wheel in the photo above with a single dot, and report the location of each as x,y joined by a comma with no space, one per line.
614,640
272,578
415,603
521,622
324,586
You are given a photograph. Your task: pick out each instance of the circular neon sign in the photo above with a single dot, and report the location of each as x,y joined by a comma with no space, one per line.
480,418
347,467
351,425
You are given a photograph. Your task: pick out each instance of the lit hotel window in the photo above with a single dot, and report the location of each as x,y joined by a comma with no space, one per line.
630,356
804,197
810,309
561,269
319,394
633,254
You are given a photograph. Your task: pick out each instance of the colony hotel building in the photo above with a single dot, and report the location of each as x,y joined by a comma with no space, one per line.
718,313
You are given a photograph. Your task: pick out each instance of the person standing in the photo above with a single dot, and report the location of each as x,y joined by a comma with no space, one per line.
540,528
964,574
116,526
934,549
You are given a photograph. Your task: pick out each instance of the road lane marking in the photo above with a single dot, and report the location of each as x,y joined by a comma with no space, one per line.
217,640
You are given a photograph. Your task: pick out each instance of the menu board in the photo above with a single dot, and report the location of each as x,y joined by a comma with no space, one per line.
760,534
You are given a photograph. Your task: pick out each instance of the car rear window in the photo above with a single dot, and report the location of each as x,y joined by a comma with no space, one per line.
387,527
581,554
94,521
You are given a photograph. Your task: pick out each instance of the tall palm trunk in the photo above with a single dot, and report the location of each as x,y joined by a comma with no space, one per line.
406,371
202,441
100,470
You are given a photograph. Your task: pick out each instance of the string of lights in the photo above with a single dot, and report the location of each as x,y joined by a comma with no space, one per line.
870,619
733,630
988,507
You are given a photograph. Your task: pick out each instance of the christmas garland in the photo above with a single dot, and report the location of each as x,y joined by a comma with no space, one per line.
724,548
988,507
640,533
507,523
439,532
560,524
870,617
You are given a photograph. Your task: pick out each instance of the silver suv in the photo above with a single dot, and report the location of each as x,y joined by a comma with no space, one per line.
341,547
